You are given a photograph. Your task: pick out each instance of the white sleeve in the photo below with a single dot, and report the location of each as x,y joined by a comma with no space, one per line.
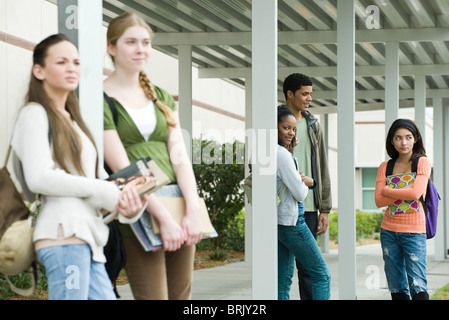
31,144
290,176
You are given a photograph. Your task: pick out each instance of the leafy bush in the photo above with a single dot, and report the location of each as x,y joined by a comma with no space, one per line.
219,175
367,224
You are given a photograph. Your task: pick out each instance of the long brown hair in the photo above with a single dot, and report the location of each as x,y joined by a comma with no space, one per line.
418,147
65,142
116,29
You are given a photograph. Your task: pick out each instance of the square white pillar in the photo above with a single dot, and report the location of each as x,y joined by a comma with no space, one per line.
185,101
420,104
81,21
347,271
264,100
391,84
439,169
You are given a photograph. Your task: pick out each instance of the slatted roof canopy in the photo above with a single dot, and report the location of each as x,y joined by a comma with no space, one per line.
220,35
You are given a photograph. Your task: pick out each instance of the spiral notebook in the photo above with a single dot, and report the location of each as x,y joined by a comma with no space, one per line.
398,181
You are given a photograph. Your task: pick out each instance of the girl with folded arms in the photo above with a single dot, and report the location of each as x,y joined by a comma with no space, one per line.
403,233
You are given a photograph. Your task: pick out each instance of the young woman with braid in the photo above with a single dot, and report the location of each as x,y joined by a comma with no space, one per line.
148,125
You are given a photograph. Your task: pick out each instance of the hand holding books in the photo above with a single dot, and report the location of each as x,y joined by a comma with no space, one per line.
145,177
130,202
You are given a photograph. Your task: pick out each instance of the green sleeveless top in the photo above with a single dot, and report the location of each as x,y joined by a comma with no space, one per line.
135,145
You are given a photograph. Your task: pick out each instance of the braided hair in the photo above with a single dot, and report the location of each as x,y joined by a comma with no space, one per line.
149,92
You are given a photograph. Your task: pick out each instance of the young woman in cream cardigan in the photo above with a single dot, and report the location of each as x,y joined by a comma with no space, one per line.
55,156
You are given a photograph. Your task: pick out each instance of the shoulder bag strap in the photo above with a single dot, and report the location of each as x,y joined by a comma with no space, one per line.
390,167
33,273
7,155
112,107
415,165
415,169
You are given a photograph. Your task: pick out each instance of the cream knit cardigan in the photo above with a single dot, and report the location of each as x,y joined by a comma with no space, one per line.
69,200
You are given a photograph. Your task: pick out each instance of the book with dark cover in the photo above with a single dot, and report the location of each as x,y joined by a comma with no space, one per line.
144,174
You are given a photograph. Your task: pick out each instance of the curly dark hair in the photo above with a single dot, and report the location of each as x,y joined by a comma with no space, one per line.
294,82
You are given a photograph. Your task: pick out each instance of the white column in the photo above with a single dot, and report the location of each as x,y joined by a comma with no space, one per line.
248,148
324,243
90,20
82,21
445,192
420,104
185,94
391,84
347,272
438,174
264,98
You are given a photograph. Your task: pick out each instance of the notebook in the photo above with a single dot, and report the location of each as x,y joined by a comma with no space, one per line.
398,181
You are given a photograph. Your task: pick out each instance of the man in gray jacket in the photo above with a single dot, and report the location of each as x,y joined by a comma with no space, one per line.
312,158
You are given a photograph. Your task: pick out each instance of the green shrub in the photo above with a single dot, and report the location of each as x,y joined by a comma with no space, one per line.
219,175
218,255
367,225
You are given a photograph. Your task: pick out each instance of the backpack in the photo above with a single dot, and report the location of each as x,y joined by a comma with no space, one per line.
115,254
430,204
114,249
16,233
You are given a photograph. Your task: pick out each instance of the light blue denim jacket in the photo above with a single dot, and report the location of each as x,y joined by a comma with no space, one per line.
288,175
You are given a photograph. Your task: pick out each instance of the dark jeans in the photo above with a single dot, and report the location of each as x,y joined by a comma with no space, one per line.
304,280
297,241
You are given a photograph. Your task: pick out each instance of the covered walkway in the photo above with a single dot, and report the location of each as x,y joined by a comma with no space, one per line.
233,281
391,54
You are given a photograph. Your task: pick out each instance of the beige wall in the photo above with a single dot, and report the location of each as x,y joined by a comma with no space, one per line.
34,22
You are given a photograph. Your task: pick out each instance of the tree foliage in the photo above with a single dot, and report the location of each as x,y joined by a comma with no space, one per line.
219,172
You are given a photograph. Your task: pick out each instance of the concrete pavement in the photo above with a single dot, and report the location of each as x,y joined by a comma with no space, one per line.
233,281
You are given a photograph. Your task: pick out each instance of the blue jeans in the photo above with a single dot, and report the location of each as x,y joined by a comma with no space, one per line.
405,257
304,281
297,241
73,275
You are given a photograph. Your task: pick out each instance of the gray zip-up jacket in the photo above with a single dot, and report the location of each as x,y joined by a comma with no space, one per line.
288,175
320,168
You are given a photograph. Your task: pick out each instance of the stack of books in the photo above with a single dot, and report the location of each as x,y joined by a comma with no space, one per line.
148,178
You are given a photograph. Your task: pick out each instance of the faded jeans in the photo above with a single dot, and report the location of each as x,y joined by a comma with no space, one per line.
73,275
297,241
405,257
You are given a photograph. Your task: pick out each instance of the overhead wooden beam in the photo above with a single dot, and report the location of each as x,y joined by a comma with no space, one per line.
404,70
376,94
300,37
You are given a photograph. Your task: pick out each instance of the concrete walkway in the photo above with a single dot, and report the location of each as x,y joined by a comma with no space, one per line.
233,281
